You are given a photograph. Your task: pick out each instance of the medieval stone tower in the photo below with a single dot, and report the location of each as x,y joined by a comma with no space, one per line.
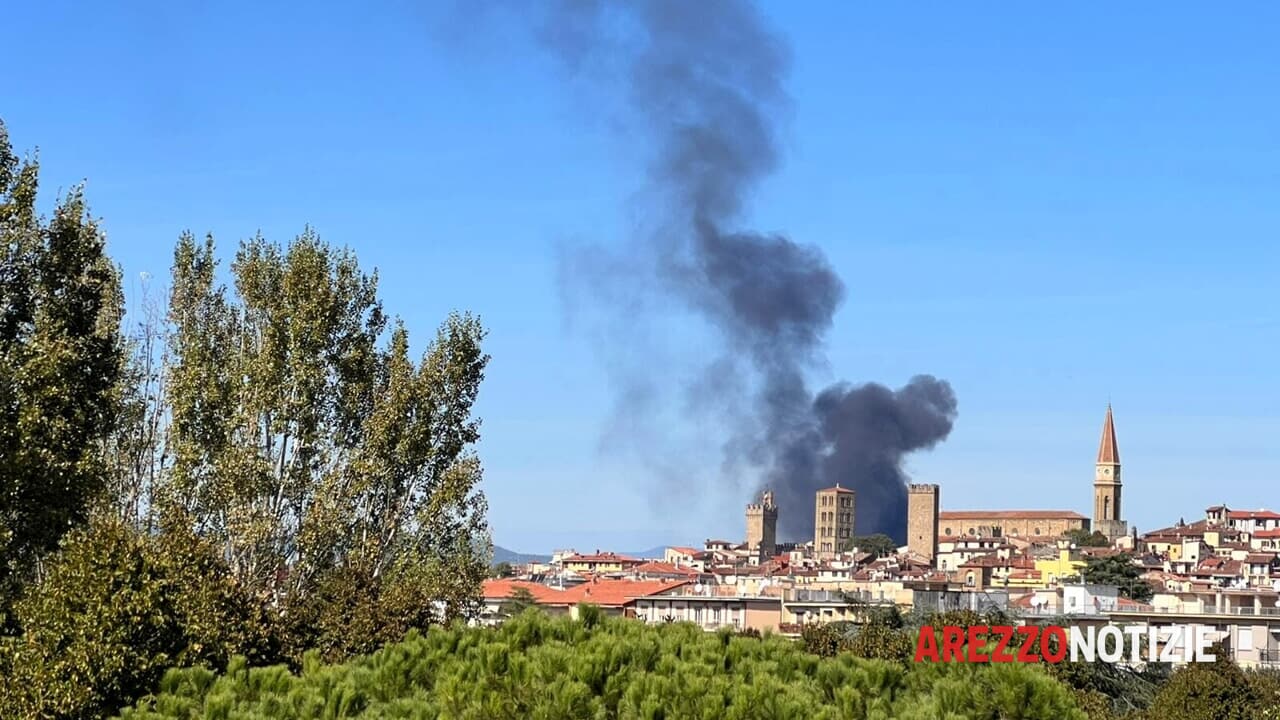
833,519
922,520
762,526
1106,484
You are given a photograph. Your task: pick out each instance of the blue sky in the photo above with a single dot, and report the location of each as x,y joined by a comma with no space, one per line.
1048,209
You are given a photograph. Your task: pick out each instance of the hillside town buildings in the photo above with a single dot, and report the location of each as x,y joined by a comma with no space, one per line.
1219,571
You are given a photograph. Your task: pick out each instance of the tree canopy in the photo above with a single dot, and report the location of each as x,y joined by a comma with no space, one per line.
878,545
1121,571
536,667
61,358
1084,538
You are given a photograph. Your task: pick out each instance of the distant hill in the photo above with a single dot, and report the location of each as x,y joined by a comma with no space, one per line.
503,555
651,553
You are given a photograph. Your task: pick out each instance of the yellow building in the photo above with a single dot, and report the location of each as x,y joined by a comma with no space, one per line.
1068,563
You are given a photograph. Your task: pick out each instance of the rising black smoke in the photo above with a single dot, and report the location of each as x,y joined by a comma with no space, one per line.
703,82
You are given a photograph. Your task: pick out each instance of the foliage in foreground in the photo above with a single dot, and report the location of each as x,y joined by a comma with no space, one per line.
536,667
115,610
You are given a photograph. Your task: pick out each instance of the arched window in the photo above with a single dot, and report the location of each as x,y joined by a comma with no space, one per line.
1106,508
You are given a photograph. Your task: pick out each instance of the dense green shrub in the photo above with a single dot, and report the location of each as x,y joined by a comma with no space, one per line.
1219,690
351,612
536,667
114,611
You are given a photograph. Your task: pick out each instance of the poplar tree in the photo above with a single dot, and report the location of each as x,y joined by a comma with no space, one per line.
60,364
330,467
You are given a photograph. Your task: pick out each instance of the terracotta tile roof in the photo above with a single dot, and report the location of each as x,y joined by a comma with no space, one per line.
1253,515
1197,528
1124,603
1099,551
985,561
1108,450
1218,567
663,568
1258,558
605,593
616,593
687,550
1010,515
1275,533
502,589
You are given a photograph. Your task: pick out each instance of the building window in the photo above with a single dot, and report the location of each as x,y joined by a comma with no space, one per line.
946,531
1244,639
1037,531
971,532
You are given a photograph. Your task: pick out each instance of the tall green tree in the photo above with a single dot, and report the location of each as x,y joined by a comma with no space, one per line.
1085,538
1121,571
878,545
311,446
60,363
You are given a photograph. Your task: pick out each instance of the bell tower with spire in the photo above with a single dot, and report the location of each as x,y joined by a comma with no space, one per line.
1106,484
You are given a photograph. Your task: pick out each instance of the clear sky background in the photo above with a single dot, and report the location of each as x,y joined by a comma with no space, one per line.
1049,209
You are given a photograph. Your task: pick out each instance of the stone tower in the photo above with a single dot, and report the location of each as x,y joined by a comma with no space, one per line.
762,526
833,511
1106,484
922,520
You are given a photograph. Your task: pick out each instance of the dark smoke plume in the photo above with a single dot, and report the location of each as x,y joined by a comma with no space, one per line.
703,83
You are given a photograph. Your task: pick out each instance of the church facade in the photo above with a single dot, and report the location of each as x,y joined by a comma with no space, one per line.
926,525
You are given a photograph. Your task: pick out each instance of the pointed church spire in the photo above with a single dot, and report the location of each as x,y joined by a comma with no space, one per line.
1108,451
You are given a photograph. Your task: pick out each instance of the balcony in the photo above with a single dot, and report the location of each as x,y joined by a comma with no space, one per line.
1246,611
835,597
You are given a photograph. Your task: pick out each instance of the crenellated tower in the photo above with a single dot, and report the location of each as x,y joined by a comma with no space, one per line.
762,525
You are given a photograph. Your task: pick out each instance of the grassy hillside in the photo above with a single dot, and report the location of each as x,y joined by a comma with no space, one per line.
534,667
